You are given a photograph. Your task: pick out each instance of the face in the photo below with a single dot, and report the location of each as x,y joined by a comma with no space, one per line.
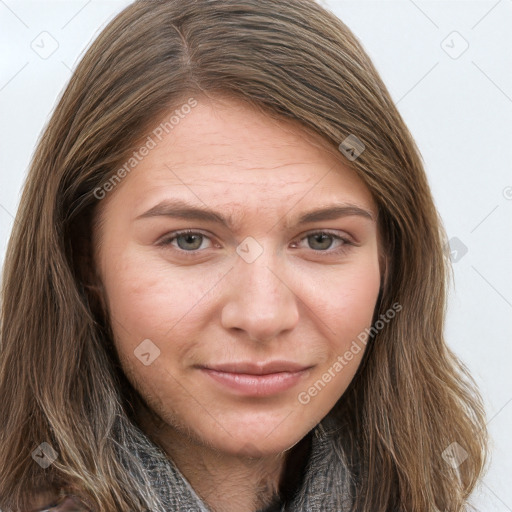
239,262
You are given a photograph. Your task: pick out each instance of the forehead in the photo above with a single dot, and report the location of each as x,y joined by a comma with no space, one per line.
228,152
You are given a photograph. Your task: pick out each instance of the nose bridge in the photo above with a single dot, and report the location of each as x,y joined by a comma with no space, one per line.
261,303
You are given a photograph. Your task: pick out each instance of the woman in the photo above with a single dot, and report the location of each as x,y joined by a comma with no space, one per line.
225,287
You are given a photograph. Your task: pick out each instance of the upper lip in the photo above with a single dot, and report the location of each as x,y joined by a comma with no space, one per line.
259,368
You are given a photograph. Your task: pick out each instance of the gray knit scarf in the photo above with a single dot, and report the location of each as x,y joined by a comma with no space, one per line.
323,488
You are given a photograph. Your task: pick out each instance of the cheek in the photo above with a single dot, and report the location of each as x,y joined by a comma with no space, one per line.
148,299
145,297
346,306
354,305
344,299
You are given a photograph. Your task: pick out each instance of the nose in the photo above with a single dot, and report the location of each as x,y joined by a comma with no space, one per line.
260,301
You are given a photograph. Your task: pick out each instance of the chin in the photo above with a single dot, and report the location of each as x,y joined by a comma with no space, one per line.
256,438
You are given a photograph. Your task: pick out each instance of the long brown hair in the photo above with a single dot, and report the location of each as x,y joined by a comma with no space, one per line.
60,380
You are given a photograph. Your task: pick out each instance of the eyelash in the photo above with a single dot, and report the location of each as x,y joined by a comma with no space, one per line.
167,241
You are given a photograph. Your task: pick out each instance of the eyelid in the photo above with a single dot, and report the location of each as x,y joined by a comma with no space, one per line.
342,235
167,238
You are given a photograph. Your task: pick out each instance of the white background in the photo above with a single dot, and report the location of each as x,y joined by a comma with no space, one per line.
457,104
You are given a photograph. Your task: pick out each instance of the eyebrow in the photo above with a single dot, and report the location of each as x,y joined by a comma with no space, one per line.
182,210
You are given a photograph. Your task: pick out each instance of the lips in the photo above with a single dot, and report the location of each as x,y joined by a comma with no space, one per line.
263,368
256,379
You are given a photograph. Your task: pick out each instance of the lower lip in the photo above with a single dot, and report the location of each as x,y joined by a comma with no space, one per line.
257,385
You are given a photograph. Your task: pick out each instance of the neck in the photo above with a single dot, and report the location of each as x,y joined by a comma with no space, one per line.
225,482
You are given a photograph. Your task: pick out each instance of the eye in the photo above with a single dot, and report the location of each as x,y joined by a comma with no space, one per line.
323,241
186,241
190,243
